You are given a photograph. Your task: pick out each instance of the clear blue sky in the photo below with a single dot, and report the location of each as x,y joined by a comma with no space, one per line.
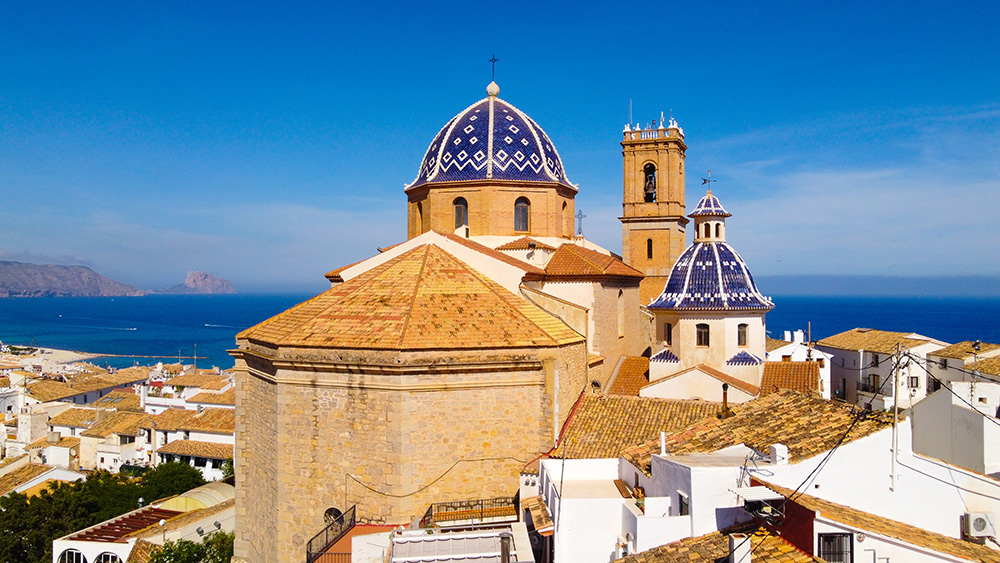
269,142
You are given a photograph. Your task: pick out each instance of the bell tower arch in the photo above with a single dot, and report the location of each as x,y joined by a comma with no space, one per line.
653,221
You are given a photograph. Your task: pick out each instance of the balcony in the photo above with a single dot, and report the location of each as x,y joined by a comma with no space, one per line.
872,387
471,512
317,546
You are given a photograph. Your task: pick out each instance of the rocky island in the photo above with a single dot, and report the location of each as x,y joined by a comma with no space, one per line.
200,283
20,279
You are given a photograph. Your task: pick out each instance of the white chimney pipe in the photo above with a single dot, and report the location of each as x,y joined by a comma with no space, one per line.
663,443
739,548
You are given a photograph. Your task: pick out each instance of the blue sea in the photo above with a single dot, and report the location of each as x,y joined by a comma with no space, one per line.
162,327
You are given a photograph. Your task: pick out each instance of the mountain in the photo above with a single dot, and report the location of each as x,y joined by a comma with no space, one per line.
201,282
19,279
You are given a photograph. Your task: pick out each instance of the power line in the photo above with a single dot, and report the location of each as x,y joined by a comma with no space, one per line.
439,477
952,391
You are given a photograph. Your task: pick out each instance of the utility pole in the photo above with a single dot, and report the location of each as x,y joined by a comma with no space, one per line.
895,418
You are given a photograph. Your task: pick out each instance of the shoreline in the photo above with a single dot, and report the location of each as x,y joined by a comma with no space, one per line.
56,355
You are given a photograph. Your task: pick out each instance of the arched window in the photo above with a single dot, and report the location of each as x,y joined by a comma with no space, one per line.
567,221
461,212
522,212
649,188
702,332
741,334
668,333
331,515
708,230
107,557
718,230
420,218
72,556
649,249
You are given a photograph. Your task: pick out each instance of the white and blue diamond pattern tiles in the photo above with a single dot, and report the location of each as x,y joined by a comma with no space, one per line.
491,140
710,275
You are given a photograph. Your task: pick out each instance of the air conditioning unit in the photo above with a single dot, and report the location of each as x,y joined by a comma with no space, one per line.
980,525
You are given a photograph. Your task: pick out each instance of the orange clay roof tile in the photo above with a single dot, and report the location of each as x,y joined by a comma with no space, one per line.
423,299
797,376
808,425
523,244
632,376
571,260
765,547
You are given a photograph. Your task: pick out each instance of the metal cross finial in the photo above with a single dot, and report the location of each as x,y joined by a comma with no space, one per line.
494,60
579,223
708,180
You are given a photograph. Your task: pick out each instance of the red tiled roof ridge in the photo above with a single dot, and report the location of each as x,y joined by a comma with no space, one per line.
720,375
492,253
523,244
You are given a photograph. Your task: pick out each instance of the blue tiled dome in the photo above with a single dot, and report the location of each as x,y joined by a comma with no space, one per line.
709,205
491,140
711,276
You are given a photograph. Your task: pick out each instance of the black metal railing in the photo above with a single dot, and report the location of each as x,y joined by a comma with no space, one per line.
329,535
464,512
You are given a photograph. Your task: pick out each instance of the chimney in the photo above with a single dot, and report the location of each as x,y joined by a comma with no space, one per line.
739,548
505,539
725,402
663,442
788,336
53,437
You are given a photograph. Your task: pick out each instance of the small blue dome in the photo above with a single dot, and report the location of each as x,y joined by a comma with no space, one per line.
491,140
709,205
711,276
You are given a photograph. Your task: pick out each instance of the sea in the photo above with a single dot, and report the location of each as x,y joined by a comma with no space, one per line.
145,330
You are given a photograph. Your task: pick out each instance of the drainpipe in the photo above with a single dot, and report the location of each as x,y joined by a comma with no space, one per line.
505,539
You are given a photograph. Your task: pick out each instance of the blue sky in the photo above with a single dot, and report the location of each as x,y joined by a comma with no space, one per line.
269,142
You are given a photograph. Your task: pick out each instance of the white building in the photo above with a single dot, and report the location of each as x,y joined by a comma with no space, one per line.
862,370
952,363
958,424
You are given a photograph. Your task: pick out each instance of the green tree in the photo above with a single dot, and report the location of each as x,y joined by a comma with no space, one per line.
228,468
167,479
217,548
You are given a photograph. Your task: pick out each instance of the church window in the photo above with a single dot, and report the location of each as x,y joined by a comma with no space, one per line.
718,230
649,189
741,334
420,218
522,208
461,212
567,222
668,333
702,334
708,230
649,249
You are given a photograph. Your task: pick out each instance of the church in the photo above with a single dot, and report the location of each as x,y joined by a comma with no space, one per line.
436,369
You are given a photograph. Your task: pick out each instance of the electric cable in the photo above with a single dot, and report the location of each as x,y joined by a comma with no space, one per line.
439,477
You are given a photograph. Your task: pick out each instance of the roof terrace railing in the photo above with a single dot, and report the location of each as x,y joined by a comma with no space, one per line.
329,535
471,512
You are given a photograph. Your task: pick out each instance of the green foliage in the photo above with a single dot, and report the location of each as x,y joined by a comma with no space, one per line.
217,548
28,526
228,468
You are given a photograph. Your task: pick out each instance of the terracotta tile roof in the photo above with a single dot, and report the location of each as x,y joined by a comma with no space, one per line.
185,519
571,260
334,275
9,460
125,525
772,344
808,425
20,476
75,417
633,374
602,426
47,390
4,381
530,270
964,350
797,376
892,528
423,299
196,448
721,376
594,359
714,547
120,422
142,552
872,340
522,244
215,421
121,399
63,442
989,366
199,381
227,397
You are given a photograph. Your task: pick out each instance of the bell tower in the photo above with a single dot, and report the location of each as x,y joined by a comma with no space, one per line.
653,233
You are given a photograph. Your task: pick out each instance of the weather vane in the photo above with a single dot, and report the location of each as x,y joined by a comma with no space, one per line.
708,180
494,60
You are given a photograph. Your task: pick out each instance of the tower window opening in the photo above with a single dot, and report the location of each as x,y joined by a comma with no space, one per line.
649,249
718,230
522,208
621,313
741,334
702,334
708,230
668,333
649,190
461,212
